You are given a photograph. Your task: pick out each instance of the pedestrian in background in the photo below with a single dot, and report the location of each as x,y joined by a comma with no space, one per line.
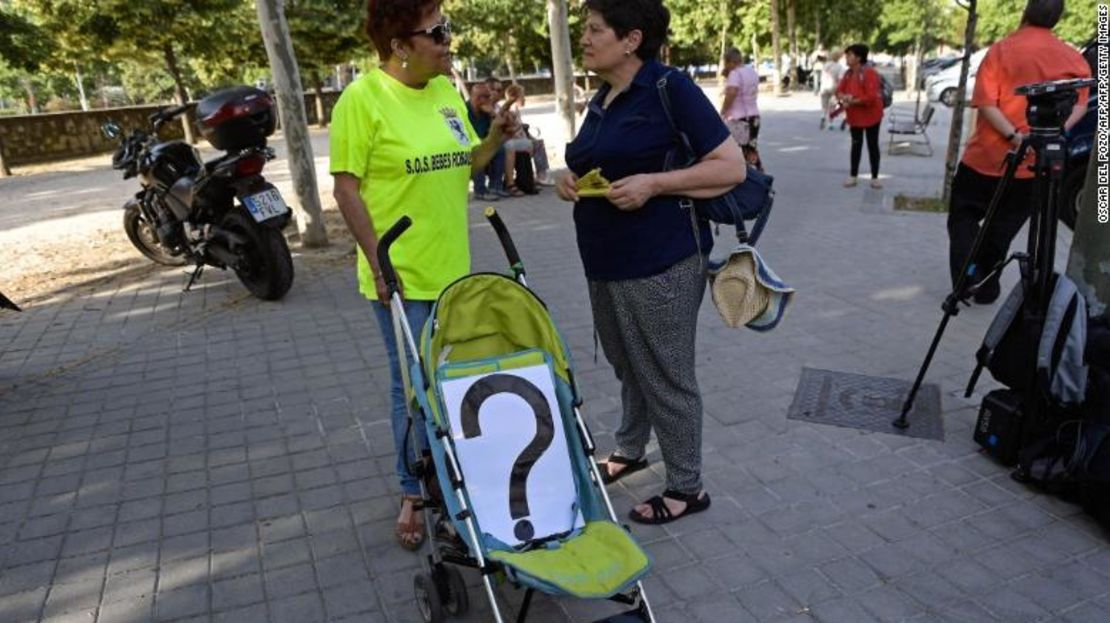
829,79
489,180
739,107
860,93
518,149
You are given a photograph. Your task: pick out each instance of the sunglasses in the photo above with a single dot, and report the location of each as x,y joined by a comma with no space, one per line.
439,33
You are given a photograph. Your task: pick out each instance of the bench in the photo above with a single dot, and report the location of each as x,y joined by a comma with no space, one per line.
907,131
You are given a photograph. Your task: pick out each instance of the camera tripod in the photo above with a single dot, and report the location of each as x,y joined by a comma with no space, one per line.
1050,104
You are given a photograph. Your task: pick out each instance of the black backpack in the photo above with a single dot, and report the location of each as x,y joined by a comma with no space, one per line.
886,89
1073,461
1015,346
525,179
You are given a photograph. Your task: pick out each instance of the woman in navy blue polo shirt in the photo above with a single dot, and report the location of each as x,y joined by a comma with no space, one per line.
640,247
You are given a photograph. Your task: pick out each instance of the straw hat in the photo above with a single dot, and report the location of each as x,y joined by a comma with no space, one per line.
748,293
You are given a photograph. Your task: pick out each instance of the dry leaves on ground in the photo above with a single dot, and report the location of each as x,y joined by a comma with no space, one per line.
52,270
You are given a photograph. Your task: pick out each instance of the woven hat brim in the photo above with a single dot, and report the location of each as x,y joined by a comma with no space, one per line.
737,293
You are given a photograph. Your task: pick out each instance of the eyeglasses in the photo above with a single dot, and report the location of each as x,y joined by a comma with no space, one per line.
439,33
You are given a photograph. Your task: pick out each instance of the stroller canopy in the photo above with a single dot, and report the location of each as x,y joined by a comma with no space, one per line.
485,316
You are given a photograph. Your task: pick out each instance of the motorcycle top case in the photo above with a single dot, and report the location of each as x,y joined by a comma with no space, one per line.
236,118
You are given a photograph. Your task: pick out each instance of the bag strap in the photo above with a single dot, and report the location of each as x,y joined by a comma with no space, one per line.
995,332
679,136
683,141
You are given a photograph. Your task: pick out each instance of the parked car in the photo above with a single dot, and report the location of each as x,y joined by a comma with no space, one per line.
941,86
933,66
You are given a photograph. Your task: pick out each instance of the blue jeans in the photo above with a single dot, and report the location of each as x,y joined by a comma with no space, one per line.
417,312
495,171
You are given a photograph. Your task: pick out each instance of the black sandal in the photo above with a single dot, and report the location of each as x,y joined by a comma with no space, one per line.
630,466
661,513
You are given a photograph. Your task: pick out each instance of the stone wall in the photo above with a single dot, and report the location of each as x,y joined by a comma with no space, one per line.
31,139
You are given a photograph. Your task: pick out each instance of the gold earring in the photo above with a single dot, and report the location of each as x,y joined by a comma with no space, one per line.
404,62
627,52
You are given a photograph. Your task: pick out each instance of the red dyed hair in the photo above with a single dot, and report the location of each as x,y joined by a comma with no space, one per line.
387,20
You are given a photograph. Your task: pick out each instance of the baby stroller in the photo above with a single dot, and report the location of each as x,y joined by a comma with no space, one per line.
509,483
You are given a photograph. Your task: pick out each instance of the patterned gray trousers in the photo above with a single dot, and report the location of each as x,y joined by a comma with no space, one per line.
647,328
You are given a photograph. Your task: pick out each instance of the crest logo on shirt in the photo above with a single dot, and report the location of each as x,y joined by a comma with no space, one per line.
456,125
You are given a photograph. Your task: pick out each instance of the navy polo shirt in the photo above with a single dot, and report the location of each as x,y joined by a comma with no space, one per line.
479,120
632,136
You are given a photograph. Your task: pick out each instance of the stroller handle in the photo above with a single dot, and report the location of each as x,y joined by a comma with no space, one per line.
515,264
387,239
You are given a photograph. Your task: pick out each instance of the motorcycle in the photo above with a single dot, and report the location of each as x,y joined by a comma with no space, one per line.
220,213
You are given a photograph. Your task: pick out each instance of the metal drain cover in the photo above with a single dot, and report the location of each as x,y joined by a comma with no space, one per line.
865,402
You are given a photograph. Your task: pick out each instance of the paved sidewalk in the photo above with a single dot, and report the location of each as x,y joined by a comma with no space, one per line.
205,456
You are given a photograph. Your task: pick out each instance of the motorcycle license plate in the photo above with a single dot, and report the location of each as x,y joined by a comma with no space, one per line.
265,205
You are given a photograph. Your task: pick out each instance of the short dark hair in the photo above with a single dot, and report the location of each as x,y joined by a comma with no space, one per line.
387,20
1043,13
492,80
650,17
733,55
860,50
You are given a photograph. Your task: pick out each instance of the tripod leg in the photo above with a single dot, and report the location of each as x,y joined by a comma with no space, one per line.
903,422
951,303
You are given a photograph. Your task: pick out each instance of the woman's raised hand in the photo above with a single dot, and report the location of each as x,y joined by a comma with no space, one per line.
505,125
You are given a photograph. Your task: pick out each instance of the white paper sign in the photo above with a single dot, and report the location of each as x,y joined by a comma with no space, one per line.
513,453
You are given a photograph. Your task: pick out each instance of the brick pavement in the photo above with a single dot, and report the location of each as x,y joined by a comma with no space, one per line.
210,457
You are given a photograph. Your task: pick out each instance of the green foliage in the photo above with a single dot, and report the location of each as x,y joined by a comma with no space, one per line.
325,33
903,22
488,32
22,43
998,18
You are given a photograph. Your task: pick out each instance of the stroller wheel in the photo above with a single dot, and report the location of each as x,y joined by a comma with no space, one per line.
428,598
456,601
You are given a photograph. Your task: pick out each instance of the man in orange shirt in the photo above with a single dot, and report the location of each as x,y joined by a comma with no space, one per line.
1029,54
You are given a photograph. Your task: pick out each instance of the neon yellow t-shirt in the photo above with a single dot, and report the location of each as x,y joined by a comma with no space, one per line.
410,148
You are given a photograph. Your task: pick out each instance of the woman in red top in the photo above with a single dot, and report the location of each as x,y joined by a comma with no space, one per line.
860,93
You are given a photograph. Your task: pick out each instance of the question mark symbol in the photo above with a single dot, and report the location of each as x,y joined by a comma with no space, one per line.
481,391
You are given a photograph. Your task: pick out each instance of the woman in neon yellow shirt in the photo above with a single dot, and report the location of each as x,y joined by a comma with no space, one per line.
401,144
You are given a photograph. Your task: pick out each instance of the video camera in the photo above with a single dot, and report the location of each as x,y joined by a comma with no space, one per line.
1050,103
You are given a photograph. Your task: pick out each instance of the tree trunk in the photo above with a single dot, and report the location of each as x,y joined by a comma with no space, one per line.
100,88
725,27
179,92
318,88
5,170
563,68
793,34
817,31
81,88
776,49
511,67
1089,262
955,133
32,103
915,70
287,85
755,52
